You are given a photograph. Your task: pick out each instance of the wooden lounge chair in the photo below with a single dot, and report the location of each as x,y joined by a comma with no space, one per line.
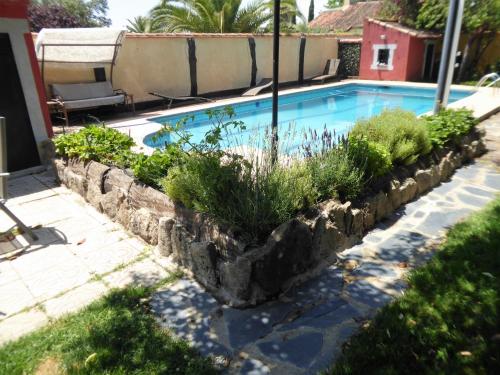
331,68
171,99
263,84
67,97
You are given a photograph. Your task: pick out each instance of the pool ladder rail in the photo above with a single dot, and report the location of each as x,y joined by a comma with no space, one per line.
493,76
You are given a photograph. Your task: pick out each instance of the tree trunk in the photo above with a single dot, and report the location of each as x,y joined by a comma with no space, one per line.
465,58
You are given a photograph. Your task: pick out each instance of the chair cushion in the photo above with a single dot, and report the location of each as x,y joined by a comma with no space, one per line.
79,91
94,102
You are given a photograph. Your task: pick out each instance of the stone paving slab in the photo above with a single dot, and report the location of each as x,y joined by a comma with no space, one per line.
79,256
303,331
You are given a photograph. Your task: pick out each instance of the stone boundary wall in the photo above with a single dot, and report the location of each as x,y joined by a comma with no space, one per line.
233,270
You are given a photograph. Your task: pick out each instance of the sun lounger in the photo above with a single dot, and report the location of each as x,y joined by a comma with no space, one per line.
172,99
68,97
331,68
263,84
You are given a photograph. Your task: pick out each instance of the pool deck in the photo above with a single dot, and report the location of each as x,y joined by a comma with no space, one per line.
483,103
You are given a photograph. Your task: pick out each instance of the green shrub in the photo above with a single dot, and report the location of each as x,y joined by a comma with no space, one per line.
400,132
255,197
335,174
94,142
150,169
371,157
449,125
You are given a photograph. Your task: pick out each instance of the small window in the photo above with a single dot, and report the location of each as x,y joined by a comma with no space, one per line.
383,56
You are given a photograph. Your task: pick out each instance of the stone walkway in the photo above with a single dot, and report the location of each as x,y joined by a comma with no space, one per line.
303,332
79,256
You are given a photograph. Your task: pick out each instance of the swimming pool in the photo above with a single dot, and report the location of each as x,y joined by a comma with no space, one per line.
337,108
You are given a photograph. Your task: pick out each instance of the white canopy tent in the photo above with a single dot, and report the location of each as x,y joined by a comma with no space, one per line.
82,45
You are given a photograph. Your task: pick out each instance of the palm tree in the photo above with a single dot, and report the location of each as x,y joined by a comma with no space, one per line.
217,16
143,24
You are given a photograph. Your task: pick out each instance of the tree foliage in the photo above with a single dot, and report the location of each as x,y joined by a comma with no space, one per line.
220,16
50,16
143,24
63,13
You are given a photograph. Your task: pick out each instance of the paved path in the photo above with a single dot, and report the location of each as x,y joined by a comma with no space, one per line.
304,331
80,254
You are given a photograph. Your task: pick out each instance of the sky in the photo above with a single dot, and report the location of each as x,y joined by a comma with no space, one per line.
121,10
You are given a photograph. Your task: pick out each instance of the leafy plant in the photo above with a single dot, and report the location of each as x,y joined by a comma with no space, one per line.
150,169
402,134
448,125
94,143
371,157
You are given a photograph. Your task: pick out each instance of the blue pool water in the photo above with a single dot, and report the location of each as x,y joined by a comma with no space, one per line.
336,108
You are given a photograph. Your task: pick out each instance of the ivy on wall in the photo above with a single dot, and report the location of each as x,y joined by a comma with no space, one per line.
349,55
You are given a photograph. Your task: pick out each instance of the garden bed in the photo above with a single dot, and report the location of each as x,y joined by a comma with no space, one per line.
233,268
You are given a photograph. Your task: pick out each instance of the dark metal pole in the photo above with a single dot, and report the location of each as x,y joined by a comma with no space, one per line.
446,55
276,59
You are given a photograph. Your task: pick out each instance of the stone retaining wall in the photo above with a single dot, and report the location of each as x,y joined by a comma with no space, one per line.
234,270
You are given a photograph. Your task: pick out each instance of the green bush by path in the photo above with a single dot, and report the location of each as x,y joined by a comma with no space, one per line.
449,125
94,142
114,335
402,134
448,321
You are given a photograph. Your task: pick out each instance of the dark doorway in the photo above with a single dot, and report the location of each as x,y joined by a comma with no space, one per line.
22,152
428,61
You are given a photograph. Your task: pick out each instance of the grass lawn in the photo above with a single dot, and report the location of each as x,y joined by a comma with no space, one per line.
448,321
114,335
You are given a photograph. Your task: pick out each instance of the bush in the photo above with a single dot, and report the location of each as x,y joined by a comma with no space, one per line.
94,142
371,157
254,197
150,169
402,134
336,174
449,125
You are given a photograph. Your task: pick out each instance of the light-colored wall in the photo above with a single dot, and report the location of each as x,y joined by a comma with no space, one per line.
160,62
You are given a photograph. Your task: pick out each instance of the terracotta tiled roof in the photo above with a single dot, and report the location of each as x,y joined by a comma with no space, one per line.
347,18
407,30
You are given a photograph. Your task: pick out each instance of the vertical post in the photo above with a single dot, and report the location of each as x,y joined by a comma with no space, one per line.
448,53
3,159
276,58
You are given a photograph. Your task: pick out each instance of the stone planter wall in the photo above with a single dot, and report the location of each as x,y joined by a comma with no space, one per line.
232,269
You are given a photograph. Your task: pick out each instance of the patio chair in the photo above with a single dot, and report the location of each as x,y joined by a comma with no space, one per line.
264,83
67,97
330,71
171,99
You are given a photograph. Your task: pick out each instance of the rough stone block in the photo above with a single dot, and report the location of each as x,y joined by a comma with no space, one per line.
435,177
478,147
380,205
287,253
368,218
327,239
165,225
94,196
75,182
337,213
235,277
180,245
408,190
424,180
144,224
111,202
143,196
395,194
357,222
95,174
445,168
78,167
59,167
204,262
117,179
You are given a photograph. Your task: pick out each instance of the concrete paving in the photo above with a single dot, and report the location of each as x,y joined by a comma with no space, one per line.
79,256
303,332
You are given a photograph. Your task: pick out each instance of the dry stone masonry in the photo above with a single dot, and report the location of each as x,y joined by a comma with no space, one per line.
235,270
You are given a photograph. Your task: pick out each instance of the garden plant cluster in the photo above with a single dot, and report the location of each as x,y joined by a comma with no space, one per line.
252,193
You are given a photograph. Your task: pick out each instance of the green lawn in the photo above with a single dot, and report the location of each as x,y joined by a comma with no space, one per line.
114,335
448,321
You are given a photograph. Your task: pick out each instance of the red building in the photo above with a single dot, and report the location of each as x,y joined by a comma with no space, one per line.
391,51
22,95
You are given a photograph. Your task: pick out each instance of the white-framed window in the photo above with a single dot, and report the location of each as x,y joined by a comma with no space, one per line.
383,56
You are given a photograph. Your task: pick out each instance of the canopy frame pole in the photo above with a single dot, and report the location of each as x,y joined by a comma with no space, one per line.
276,61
